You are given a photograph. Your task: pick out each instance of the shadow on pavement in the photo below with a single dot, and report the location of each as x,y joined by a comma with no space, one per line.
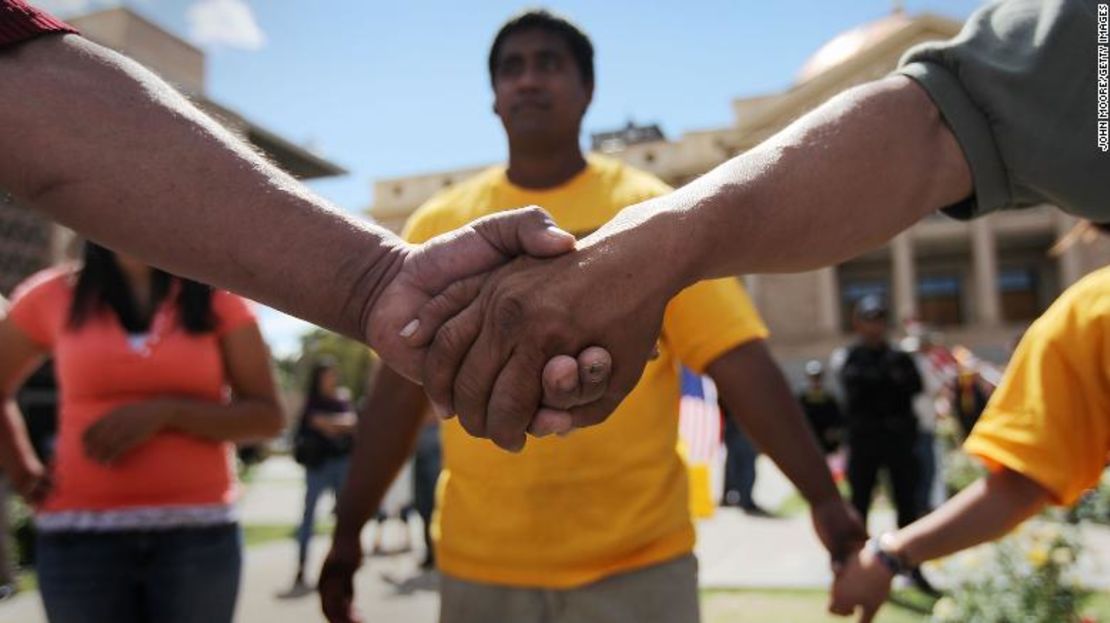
298,591
419,581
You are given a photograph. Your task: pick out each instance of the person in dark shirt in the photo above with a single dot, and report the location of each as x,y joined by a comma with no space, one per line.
879,384
821,408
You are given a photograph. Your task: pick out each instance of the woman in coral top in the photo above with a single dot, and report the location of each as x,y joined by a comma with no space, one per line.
158,376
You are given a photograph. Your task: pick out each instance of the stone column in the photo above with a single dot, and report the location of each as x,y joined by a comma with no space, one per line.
751,284
904,277
1070,261
828,301
988,304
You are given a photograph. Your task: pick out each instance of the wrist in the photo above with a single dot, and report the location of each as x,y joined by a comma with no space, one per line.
346,537
27,467
888,550
369,286
637,239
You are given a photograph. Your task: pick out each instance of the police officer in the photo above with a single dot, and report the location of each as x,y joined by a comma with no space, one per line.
879,384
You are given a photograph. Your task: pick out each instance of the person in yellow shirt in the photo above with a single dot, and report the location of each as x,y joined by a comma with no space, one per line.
594,526
1044,435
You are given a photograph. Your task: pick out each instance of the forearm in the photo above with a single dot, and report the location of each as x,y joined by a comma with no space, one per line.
841,180
102,145
386,434
985,511
240,420
756,394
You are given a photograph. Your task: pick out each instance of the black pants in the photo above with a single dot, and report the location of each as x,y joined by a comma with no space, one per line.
894,451
740,463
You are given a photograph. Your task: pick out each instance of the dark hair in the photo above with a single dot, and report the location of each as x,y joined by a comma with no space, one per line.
312,391
541,19
101,285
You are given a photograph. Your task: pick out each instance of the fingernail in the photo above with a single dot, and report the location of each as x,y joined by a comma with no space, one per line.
410,328
442,411
556,233
594,371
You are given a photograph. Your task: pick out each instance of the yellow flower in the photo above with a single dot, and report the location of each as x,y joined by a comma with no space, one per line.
1037,555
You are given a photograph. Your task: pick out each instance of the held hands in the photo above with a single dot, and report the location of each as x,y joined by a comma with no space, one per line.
421,272
859,578
488,340
462,260
863,583
511,327
840,529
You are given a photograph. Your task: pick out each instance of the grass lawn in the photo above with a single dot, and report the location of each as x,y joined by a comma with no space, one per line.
257,534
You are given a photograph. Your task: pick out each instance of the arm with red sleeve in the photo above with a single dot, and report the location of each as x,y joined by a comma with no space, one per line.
98,143
20,21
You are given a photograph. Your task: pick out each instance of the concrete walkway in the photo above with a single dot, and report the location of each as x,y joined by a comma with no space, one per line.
735,551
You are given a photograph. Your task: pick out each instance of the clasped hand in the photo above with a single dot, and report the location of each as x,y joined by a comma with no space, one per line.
514,328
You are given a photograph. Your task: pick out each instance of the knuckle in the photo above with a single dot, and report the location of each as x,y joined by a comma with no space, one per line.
447,344
508,312
535,215
459,294
438,309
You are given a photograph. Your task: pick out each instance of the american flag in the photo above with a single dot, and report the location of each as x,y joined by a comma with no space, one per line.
699,419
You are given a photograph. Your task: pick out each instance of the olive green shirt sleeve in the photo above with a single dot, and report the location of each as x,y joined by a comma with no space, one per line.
1018,88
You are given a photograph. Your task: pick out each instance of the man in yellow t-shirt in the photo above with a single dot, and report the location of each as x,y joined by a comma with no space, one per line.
1045,436
594,526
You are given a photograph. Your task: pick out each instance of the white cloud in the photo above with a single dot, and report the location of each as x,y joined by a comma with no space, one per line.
69,8
229,23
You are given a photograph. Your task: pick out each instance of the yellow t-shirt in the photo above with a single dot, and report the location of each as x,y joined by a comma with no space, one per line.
1049,419
606,499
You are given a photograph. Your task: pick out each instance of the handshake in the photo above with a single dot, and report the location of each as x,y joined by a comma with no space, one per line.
516,328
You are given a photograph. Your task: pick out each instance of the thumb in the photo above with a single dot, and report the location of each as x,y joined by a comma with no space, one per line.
867,613
528,231
486,244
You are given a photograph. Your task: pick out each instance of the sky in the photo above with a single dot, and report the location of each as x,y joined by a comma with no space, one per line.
395,88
